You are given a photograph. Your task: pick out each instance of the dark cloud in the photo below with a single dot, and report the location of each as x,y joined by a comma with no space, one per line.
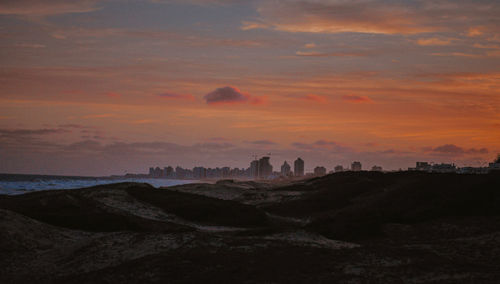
77,126
330,54
262,142
30,132
452,149
226,95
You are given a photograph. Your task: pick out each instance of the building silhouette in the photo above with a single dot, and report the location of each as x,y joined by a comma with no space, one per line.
199,172
298,167
285,169
339,169
265,168
356,166
319,171
376,168
254,169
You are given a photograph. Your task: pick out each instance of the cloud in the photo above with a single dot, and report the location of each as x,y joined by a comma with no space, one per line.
459,54
377,17
314,98
452,149
30,132
329,54
46,7
258,100
339,16
174,96
226,95
433,41
310,45
322,145
72,125
218,139
104,115
475,31
356,99
262,142
213,146
30,45
251,25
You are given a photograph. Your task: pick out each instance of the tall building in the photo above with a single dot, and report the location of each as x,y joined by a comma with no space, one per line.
254,169
168,171
265,167
157,172
339,169
319,171
226,172
356,166
298,167
199,172
285,169
180,173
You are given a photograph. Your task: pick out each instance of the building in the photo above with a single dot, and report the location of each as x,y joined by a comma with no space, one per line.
495,166
226,172
473,170
254,169
423,166
265,168
157,172
180,173
356,166
339,169
199,172
168,171
376,169
285,169
298,167
319,171
444,168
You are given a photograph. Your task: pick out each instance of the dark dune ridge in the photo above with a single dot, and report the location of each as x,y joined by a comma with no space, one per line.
343,228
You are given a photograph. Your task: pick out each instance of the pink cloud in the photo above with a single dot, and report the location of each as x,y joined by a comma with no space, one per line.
356,99
258,100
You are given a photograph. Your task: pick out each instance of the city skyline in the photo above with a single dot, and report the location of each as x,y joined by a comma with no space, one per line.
101,87
261,169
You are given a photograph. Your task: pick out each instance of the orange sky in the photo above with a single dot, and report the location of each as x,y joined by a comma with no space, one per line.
107,87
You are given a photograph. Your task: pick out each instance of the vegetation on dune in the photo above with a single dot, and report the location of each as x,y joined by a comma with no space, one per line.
197,208
72,209
353,206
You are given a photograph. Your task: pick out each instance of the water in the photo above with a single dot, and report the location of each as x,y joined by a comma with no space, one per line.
19,184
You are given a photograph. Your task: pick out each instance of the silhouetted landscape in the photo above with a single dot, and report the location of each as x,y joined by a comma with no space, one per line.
249,141
350,227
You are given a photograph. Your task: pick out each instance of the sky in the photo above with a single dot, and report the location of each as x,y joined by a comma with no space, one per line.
92,87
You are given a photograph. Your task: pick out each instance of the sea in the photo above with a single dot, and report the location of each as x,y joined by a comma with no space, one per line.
12,184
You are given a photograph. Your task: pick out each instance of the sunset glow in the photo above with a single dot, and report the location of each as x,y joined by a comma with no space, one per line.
106,87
